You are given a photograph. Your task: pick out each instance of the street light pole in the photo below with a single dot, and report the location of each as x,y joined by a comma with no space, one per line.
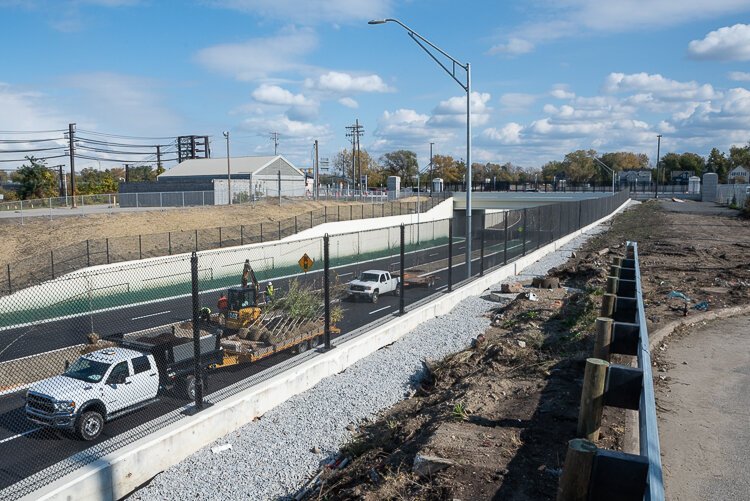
610,169
229,170
426,45
658,148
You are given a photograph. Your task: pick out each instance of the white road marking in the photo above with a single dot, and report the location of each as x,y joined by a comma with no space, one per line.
461,248
345,274
19,435
442,287
430,255
151,315
381,309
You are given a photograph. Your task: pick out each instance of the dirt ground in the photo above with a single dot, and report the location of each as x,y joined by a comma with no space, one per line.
493,421
39,235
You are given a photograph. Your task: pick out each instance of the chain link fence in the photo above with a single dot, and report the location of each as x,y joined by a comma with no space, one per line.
63,260
96,359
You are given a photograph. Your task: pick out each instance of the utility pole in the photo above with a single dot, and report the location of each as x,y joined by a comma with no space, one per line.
316,172
62,182
158,157
431,168
229,171
658,148
275,139
355,131
71,140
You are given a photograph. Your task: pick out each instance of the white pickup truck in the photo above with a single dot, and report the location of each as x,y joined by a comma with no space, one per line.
371,284
110,382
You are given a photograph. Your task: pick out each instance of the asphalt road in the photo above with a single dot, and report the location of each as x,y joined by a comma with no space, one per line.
27,449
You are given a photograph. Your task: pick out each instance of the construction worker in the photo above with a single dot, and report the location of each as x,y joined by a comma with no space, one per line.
223,304
269,292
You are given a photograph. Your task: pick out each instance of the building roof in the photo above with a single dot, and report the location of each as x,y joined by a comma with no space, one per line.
218,166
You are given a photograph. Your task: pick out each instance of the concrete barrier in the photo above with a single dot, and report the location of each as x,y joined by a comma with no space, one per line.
117,474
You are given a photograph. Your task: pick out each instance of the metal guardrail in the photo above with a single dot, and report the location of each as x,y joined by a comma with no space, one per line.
593,473
647,423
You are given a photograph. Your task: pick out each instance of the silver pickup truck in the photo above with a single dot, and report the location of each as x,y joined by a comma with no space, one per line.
371,284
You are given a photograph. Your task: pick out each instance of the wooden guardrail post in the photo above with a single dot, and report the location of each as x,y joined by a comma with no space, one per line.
592,398
608,305
612,284
603,338
574,481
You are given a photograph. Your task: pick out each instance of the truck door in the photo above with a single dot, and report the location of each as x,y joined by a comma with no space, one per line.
114,391
145,379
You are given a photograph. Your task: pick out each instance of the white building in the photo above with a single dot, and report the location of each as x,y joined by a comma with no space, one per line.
738,175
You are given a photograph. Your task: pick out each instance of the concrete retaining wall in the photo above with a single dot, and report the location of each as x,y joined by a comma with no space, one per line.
115,475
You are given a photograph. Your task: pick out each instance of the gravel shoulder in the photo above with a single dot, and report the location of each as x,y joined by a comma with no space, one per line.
704,410
272,456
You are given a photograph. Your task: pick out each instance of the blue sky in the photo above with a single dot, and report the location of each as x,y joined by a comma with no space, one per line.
548,77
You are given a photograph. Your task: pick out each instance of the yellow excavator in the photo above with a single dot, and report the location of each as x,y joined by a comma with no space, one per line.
244,301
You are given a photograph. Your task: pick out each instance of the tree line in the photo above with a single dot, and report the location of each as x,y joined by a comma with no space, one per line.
35,180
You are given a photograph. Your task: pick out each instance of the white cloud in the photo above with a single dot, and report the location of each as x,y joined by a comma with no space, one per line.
509,134
28,110
658,86
310,12
730,43
260,57
513,47
336,81
452,112
273,94
552,19
739,76
349,102
406,128
287,127
562,93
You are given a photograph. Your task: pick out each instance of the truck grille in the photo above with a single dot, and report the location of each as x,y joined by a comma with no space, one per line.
357,287
40,403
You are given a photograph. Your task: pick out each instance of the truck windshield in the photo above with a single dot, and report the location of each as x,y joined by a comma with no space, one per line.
369,277
87,370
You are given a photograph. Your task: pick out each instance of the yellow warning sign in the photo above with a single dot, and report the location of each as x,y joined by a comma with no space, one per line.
306,262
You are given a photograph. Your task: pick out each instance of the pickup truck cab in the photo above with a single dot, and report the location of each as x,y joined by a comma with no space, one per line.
371,284
99,386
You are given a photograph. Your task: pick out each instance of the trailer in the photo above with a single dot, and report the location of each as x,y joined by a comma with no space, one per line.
417,278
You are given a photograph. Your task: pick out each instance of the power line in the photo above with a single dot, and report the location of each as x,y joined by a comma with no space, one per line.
35,158
126,145
31,131
122,136
30,140
100,150
31,151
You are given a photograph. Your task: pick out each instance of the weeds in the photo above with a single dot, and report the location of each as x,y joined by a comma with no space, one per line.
460,413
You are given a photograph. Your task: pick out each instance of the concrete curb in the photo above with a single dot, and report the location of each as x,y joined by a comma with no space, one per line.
119,473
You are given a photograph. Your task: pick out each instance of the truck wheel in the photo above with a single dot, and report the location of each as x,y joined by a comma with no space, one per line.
302,347
90,425
397,291
189,383
315,342
374,297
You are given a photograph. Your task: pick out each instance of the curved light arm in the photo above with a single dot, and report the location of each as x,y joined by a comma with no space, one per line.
604,165
419,39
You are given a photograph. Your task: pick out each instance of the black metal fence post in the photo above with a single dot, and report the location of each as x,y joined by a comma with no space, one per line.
481,246
326,293
295,225
88,254
325,214
524,232
197,373
505,243
106,241
450,255
220,240
52,262
169,242
196,240
242,234
10,287
279,229
140,245
261,232
401,304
